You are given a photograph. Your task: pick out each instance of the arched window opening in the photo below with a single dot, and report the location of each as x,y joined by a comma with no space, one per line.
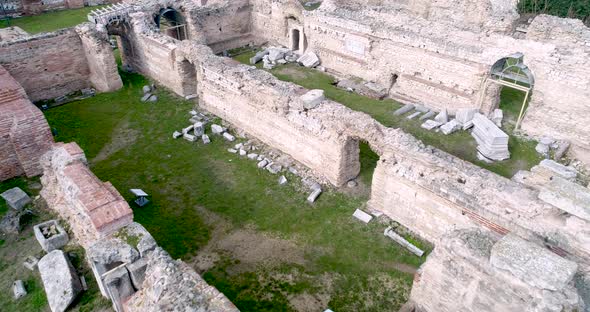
511,72
171,23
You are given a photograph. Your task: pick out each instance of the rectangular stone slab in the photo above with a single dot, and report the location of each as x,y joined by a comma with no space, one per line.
567,196
531,263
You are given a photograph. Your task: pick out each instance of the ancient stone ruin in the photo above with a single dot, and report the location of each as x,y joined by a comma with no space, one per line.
500,244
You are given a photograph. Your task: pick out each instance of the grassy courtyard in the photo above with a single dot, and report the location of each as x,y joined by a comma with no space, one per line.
261,244
460,144
50,21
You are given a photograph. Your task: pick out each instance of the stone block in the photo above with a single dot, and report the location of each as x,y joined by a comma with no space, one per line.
314,195
18,289
199,129
497,117
542,149
137,272
389,232
568,173
16,198
567,196
492,141
229,137
50,235
12,221
232,150
217,129
176,135
243,152
427,115
153,98
252,156
189,137
465,115
312,98
405,109
147,89
532,264
282,180
262,164
561,150
146,97
118,286
258,57
309,59
188,129
363,216
442,117
274,168
276,54
60,280
450,127
430,124
413,115
206,139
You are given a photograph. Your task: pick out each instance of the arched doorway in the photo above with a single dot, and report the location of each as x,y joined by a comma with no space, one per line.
171,23
511,72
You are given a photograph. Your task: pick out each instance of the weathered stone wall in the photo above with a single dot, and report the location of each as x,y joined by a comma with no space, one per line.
104,74
93,209
439,54
32,7
474,270
47,65
24,132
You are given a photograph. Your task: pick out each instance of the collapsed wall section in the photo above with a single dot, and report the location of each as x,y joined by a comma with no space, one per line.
24,132
47,65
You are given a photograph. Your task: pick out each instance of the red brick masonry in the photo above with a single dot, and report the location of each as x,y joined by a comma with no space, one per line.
24,132
94,209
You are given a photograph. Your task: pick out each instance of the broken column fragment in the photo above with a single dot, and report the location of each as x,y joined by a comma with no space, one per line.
389,232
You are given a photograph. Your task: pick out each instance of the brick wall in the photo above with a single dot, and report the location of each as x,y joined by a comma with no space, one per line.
47,65
94,209
24,132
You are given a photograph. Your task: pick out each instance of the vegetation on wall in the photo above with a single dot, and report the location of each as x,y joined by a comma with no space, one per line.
579,9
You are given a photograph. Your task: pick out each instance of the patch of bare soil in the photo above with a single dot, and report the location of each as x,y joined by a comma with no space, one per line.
248,246
123,136
305,302
292,72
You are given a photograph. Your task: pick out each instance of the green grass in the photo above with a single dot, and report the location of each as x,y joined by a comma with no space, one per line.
184,178
460,144
50,21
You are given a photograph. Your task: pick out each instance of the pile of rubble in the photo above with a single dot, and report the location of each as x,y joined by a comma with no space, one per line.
273,56
548,147
197,130
492,141
148,94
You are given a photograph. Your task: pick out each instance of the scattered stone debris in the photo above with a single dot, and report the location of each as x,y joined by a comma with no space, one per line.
413,115
146,97
492,141
363,216
50,235
258,57
231,150
561,150
361,87
352,184
389,232
427,115
147,89
282,180
16,198
263,163
30,263
60,280
176,135
18,288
